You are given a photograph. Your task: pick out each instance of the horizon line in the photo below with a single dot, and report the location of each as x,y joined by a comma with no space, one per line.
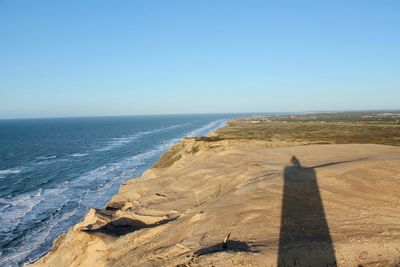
205,113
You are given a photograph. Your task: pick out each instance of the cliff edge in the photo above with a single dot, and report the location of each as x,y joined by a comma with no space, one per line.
229,202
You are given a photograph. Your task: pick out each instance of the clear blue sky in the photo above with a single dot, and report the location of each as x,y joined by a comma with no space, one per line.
83,58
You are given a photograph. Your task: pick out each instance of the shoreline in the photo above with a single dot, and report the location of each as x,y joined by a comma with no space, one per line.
215,125
206,190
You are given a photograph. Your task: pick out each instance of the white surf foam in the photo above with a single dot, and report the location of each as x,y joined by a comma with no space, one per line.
78,155
119,141
46,157
29,166
4,173
92,189
208,128
23,208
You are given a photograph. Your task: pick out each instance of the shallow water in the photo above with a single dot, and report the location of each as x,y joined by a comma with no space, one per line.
53,170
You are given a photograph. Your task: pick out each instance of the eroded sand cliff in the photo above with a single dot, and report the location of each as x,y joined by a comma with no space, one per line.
299,206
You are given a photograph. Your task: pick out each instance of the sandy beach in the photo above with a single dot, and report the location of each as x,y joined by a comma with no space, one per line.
247,203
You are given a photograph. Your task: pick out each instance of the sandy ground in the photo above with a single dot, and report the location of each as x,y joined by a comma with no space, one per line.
315,205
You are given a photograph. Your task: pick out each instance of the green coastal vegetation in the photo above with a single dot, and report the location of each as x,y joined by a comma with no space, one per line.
303,129
318,128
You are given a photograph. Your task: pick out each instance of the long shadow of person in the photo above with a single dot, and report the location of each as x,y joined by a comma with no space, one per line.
304,238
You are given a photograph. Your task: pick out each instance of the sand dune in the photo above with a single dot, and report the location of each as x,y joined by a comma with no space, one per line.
331,203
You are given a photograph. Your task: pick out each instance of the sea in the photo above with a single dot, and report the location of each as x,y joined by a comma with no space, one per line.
52,171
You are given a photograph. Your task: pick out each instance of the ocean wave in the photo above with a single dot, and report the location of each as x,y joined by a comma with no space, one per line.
46,157
54,210
29,166
15,208
33,165
34,238
39,209
207,128
78,155
38,161
92,189
4,173
120,141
